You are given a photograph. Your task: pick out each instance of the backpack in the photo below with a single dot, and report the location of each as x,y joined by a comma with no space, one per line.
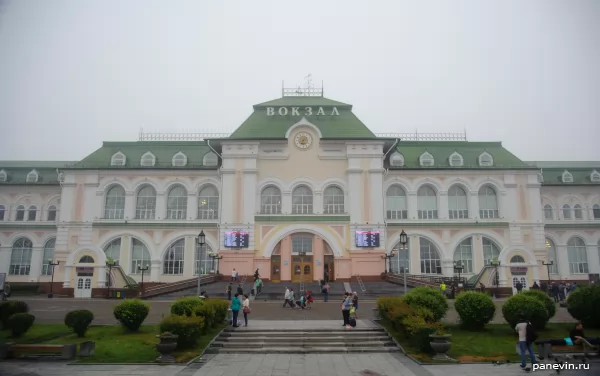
530,333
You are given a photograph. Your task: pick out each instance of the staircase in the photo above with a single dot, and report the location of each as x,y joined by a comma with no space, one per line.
169,288
302,341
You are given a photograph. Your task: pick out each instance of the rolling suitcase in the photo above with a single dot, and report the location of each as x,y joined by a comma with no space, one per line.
352,322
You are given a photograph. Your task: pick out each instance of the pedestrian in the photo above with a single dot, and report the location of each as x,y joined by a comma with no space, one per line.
246,309
6,291
527,336
229,291
292,299
325,292
346,305
240,290
235,310
326,276
287,297
355,304
554,290
258,285
233,275
256,275
309,299
443,288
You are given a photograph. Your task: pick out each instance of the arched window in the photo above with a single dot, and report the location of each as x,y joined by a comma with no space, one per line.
202,261
548,212
333,200
464,254
177,203
578,211
401,262
208,203
457,203
517,260
486,159
596,210
427,203
32,213
48,256
595,176
567,177
488,203
3,176
566,209
552,256
576,250
430,257
145,203
86,260
179,160
174,257
20,213
20,258
302,200
270,200
396,203
51,213
210,159
397,160
491,251
114,207
456,160
426,160
147,160
140,256
113,250
118,159
32,177
2,212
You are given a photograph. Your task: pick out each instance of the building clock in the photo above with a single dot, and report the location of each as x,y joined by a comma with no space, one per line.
303,140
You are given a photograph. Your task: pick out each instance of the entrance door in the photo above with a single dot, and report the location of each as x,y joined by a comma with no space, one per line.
302,269
84,287
275,268
328,264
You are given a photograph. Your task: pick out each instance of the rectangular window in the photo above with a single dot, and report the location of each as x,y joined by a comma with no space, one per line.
302,244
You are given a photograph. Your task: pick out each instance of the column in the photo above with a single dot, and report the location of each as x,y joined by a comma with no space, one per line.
161,205
563,261
412,206
228,200
473,204
443,202
5,252
593,257
189,257
286,259
192,205
155,270
37,255
129,205
67,276
101,270
286,202
249,194
317,202
447,267
415,255
318,259
355,194
377,198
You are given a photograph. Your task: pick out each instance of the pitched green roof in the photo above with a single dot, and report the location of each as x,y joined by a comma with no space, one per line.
581,176
16,172
261,126
470,151
162,150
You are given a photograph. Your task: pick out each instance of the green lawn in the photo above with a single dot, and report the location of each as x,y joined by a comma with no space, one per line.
114,344
496,342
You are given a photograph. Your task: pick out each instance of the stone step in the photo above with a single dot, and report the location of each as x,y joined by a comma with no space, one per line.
323,338
333,331
300,350
302,344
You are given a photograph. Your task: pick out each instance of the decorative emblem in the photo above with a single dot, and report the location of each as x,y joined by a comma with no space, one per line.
303,140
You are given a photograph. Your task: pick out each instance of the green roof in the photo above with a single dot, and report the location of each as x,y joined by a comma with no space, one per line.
16,172
470,152
260,126
163,152
581,176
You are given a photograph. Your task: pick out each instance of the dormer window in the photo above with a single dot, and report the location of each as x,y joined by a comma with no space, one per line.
210,159
118,159
486,159
32,177
594,177
426,160
3,176
179,160
397,160
567,177
147,160
456,160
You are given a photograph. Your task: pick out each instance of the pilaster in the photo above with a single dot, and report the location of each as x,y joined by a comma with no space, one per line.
443,209
473,204
317,202
161,205
286,258
412,205
129,205
192,205
35,270
155,270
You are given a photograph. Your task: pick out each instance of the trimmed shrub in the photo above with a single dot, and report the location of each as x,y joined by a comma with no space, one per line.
9,308
544,298
429,298
425,314
79,321
207,312
584,304
186,306
19,323
530,307
384,304
475,309
221,308
131,313
188,328
397,312
418,332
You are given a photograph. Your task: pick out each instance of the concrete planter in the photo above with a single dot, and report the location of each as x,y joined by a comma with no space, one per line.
166,346
441,345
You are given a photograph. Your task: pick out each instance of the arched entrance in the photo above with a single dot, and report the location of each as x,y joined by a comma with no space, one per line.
518,273
85,273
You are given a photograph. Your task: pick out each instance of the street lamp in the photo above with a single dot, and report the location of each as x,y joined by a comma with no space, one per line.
496,263
201,243
388,265
403,241
52,264
214,256
548,265
142,269
458,268
110,263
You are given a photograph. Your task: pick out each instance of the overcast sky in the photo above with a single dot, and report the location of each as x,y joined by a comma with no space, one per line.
76,73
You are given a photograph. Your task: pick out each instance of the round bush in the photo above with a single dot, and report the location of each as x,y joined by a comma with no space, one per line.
385,304
533,310
475,309
584,305
79,321
131,313
19,323
207,312
186,306
429,298
221,308
187,328
9,308
545,299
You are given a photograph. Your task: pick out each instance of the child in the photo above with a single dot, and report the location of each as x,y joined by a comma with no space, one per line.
309,300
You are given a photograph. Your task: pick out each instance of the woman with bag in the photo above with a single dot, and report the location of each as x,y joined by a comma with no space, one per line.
246,309
235,310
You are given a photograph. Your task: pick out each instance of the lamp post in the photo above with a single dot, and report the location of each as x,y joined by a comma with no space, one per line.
201,243
52,264
388,264
214,256
458,268
142,269
110,263
548,265
403,241
496,263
